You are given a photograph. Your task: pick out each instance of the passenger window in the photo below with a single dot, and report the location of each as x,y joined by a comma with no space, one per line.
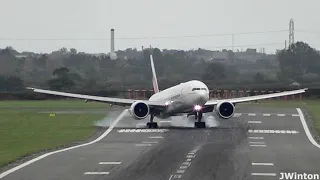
193,89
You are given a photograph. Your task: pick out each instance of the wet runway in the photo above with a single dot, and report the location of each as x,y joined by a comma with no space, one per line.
258,143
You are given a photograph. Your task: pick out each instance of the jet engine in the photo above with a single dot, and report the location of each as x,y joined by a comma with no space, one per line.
225,109
139,110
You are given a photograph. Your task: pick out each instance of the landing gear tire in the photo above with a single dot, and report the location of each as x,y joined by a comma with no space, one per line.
200,124
152,125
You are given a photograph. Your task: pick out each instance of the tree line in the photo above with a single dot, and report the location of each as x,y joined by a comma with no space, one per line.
72,70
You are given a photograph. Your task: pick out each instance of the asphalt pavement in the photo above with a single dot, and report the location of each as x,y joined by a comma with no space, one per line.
257,143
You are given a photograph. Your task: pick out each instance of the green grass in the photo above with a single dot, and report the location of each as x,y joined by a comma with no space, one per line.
312,105
56,104
24,131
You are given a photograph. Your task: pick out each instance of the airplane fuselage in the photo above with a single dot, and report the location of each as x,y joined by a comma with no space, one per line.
182,98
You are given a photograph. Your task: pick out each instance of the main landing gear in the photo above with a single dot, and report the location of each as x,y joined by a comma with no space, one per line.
152,124
199,123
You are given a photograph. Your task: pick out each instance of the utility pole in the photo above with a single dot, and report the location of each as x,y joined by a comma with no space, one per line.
232,42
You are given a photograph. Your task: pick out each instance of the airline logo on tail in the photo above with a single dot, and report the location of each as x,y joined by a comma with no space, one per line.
154,76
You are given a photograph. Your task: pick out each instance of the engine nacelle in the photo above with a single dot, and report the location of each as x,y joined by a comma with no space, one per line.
139,110
225,109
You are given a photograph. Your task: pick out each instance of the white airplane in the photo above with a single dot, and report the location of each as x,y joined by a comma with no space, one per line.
191,98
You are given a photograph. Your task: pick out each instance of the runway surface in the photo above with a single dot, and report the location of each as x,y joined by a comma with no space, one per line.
258,143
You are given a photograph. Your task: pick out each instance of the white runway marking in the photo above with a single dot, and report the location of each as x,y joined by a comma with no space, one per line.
66,149
180,171
191,153
178,176
262,164
190,156
264,114
237,114
143,130
170,177
165,121
255,137
273,131
258,145
183,167
143,144
254,122
186,163
263,174
306,129
110,163
295,115
149,142
93,173
256,142
155,137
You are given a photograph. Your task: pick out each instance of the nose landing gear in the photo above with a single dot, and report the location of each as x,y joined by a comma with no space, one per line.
199,123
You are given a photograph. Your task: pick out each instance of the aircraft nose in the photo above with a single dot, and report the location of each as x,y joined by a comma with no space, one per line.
203,96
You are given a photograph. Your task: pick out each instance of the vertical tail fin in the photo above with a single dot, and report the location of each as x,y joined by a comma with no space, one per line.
154,77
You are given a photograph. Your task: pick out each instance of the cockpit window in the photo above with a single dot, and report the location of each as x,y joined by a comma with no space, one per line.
195,89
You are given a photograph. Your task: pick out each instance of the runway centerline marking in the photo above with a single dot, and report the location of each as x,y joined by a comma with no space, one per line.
251,114
191,156
255,137
94,173
254,122
266,114
281,115
110,163
263,174
306,129
66,149
262,164
180,171
178,176
183,167
186,163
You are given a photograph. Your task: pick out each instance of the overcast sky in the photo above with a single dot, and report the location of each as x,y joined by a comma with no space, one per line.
93,19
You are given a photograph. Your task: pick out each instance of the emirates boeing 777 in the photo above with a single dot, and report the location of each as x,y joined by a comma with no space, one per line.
191,98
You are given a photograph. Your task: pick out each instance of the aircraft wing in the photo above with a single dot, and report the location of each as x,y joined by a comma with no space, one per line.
254,98
116,101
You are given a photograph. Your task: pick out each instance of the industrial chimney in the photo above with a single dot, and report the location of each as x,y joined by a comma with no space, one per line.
113,55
